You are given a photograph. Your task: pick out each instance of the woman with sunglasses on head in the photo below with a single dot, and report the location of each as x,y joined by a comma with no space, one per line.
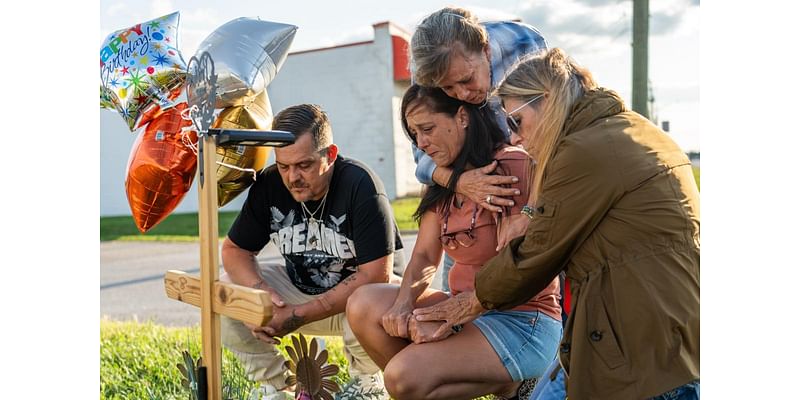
499,353
616,206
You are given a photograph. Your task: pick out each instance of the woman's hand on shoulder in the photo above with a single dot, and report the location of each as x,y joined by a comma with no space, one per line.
478,186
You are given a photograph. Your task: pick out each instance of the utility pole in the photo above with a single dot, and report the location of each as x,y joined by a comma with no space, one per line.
641,15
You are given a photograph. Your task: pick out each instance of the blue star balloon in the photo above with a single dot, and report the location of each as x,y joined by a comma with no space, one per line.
141,68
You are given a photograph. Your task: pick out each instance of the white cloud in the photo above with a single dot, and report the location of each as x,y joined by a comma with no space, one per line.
195,26
116,9
161,7
597,19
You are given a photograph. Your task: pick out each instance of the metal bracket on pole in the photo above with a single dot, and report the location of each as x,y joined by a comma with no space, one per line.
201,91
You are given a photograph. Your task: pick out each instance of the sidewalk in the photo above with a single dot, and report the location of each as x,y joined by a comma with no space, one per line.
132,279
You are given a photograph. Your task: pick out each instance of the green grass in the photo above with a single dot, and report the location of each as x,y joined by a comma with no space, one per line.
176,228
696,171
139,361
403,210
184,227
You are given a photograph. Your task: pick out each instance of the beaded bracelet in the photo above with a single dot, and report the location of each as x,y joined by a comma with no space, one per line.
527,211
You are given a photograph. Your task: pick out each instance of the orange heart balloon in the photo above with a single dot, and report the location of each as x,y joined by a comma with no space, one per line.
256,113
161,168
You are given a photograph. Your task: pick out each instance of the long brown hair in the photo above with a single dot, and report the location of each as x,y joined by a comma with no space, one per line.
482,138
563,82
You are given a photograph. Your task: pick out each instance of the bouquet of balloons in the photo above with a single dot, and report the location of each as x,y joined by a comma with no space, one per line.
143,78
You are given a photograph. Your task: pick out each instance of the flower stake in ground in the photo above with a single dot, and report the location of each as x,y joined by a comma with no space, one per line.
189,371
309,370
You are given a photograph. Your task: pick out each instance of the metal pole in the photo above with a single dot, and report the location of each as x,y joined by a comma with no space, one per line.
639,98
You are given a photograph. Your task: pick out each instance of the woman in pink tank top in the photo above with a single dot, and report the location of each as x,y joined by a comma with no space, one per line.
499,352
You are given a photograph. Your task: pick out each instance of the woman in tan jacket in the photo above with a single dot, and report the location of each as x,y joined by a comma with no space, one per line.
616,207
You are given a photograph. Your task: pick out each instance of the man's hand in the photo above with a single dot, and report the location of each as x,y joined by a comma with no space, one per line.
277,301
424,331
284,320
478,185
260,334
458,309
513,227
395,321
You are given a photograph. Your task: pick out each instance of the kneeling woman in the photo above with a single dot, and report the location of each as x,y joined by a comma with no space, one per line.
500,350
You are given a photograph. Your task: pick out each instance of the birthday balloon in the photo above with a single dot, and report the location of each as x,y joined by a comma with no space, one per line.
247,55
105,99
256,113
161,168
140,67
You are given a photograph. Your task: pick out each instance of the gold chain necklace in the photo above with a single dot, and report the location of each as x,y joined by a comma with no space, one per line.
311,220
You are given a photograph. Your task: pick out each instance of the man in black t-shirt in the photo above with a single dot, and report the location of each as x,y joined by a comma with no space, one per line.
331,220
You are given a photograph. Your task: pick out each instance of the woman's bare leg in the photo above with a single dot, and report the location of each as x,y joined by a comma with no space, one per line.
365,308
463,366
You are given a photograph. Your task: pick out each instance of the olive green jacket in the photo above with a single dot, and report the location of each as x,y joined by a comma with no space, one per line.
619,212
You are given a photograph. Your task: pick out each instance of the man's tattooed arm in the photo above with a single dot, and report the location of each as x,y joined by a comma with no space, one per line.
334,301
292,323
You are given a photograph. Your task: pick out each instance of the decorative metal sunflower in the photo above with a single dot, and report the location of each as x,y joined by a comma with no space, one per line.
309,370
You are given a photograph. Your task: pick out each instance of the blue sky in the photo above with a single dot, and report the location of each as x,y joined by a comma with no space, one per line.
597,33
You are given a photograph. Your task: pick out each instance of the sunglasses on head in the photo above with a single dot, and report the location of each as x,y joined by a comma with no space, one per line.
463,238
511,121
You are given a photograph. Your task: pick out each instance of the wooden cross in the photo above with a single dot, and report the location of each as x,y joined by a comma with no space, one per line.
216,298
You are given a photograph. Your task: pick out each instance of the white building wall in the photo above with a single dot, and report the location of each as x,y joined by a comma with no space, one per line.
355,86
407,183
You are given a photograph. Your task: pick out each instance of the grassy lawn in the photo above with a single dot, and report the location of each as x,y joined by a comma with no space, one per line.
184,228
176,228
139,361
403,210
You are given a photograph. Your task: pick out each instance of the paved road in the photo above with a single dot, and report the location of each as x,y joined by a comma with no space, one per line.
132,279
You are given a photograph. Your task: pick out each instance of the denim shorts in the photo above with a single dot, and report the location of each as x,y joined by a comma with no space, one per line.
526,341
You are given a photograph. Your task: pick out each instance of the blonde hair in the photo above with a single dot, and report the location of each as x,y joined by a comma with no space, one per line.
562,81
436,38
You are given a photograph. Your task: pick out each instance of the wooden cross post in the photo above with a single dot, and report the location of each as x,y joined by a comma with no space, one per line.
216,298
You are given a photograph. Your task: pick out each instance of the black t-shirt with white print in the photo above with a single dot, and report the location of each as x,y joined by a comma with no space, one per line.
356,225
